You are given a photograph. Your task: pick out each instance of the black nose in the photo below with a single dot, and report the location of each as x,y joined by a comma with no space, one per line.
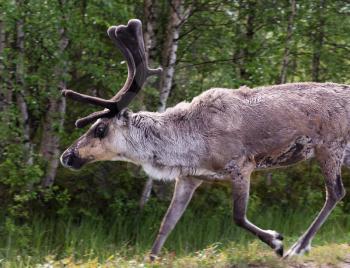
68,158
72,160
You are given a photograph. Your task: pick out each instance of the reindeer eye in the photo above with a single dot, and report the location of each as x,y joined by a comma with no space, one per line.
100,131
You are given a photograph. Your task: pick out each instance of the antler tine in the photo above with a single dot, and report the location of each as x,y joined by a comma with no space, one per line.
82,122
88,99
130,42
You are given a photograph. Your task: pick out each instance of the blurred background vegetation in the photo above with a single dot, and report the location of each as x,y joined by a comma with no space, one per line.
47,45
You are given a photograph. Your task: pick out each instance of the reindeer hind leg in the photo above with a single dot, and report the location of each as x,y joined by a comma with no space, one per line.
240,190
330,160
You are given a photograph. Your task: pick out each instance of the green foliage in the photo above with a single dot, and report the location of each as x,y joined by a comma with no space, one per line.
100,203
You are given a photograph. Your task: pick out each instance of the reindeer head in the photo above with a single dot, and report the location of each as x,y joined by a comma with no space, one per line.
104,139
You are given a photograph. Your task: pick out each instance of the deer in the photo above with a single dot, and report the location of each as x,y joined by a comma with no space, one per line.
221,135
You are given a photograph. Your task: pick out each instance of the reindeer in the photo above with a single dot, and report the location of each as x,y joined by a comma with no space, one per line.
221,135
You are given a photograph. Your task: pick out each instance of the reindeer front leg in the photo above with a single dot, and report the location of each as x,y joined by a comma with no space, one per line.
184,189
240,174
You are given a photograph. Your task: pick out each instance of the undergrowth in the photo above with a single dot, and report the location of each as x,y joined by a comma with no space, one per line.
198,240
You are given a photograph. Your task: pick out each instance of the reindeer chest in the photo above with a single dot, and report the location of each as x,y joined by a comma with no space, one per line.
161,172
171,173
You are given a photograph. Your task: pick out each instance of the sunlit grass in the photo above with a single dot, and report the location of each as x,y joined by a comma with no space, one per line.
232,255
198,240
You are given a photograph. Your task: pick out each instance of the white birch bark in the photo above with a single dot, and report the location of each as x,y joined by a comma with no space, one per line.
169,52
20,88
150,47
55,115
149,35
177,17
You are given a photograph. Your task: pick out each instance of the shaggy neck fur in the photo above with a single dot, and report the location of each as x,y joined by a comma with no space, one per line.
166,146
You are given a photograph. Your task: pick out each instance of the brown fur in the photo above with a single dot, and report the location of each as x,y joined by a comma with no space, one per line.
226,134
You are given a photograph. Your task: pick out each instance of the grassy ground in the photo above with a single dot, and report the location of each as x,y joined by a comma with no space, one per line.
197,241
233,255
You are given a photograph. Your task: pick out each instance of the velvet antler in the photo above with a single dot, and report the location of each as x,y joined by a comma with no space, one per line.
130,42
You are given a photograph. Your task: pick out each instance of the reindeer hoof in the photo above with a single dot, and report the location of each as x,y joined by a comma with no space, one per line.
278,246
276,242
297,250
280,237
279,251
153,257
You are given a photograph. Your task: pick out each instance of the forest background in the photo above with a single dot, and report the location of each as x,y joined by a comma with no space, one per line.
46,45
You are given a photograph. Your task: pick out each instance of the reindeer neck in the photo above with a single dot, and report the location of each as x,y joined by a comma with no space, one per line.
159,140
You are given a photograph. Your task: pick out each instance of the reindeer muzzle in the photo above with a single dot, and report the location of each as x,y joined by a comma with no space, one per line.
72,160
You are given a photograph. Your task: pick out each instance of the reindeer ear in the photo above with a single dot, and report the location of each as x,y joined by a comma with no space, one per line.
124,116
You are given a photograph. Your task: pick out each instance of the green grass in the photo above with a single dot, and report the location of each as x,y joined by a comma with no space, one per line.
199,237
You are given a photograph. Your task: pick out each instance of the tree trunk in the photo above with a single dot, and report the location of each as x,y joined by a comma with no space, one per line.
177,17
286,55
20,88
242,55
294,67
169,52
3,93
146,192
51,151
318,43
149,34
2,36
249,35
55,116
150,47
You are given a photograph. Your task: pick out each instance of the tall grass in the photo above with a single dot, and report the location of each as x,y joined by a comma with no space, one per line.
92,237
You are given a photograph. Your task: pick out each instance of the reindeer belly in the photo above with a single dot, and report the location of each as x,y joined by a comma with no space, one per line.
301,149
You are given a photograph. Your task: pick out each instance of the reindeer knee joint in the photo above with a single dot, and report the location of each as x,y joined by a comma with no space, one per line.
233,169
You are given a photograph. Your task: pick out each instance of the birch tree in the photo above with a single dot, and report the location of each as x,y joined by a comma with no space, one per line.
20,83
318,41
177,16
149,33
3,94
150,46
286,55
244,37
54,118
